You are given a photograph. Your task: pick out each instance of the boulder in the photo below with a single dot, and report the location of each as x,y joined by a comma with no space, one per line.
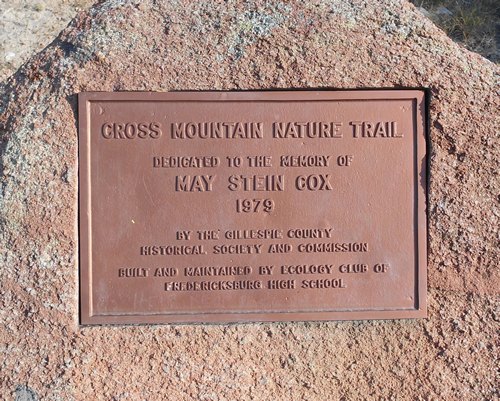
236,45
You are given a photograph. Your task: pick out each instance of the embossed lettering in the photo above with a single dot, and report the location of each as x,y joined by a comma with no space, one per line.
313,182
256,183
195,183
217,130
312,129
375,129
131,130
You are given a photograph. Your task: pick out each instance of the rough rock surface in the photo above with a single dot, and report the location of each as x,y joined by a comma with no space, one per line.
162,46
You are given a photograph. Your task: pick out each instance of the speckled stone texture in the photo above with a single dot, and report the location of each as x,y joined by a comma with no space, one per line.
163,46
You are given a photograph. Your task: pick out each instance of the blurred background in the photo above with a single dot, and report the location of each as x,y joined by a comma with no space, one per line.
472,23
27,26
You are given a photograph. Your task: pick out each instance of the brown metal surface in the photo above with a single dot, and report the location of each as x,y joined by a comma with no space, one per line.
252,206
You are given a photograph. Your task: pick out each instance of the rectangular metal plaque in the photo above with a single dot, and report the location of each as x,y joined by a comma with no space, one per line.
252,206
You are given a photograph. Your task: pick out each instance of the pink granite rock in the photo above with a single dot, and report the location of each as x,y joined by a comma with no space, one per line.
188,45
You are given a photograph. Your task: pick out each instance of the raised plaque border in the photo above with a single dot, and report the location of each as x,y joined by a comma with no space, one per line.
417,96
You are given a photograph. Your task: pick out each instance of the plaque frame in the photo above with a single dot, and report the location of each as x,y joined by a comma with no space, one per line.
419,100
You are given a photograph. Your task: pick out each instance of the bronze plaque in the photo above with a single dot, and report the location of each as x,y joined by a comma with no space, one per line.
252,206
